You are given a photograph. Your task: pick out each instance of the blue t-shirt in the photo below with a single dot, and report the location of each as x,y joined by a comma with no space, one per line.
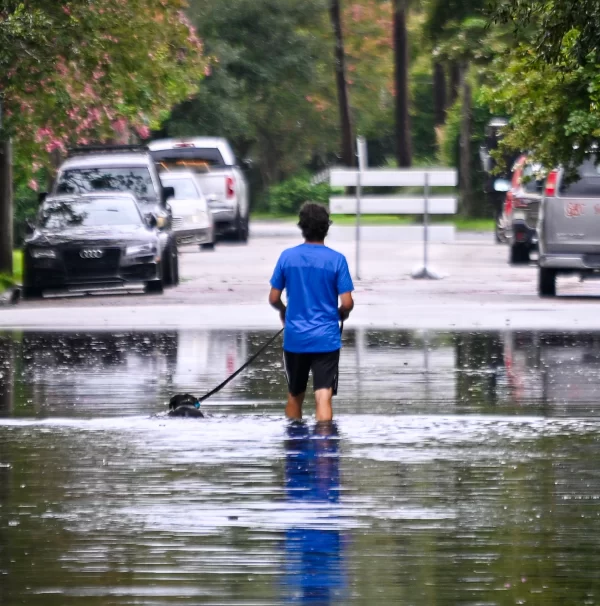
314,276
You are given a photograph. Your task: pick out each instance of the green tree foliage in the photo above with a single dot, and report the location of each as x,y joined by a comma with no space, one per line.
561,31
78,71
550,85
271,89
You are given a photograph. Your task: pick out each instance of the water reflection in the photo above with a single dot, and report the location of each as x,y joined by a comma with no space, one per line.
382,372
313,554
469,473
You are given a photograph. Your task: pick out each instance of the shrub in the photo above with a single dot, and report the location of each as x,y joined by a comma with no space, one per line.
287,197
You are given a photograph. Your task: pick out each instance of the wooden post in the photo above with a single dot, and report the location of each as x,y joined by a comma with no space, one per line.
6,208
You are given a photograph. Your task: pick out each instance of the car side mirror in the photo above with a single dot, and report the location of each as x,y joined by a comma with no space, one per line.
29,227
168,192
42,196
151,221
247,164
501,185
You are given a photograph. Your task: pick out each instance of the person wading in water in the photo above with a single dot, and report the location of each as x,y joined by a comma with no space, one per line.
315,278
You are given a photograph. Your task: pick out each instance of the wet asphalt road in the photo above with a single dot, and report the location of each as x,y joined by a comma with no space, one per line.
228,288
462,470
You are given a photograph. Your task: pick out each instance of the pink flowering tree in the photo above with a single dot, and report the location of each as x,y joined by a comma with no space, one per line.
78,72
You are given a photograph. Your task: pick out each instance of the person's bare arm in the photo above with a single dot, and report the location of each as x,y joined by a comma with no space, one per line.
276,302
347,305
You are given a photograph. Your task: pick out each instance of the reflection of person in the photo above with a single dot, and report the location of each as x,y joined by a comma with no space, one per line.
314,557
315,277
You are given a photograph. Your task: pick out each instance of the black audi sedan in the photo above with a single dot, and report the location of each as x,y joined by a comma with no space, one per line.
91,242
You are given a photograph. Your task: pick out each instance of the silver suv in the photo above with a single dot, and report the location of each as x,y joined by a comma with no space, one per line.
128,169
569,227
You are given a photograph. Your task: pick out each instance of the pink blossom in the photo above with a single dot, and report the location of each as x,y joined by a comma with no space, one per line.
33,184
119,125
66,10
207,70
143,131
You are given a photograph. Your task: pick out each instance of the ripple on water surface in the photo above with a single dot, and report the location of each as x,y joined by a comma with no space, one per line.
462,470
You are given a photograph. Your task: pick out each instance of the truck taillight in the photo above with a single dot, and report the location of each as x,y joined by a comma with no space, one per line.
229,187
551,183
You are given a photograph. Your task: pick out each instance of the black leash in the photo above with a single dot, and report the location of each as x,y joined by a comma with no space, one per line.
240,369
218,388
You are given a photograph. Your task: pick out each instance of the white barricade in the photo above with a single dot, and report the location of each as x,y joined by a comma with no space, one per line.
395,205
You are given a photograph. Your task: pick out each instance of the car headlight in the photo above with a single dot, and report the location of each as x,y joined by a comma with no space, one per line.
43,253
139,250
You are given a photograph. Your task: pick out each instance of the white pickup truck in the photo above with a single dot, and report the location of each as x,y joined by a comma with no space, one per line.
220,177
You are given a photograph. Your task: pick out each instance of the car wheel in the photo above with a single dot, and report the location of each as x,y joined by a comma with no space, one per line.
500,231
519,254
32,292
155,287
169,264
175,255
241,228
547,282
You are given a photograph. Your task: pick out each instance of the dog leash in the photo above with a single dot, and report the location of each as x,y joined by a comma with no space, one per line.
218,388
240,369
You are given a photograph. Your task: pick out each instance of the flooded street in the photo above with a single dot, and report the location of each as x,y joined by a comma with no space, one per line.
462,470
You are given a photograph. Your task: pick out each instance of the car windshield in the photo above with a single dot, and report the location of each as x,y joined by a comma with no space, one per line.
185,189
62,214
135,180
588,183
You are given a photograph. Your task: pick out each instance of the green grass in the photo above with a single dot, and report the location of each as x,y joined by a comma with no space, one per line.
7,281
461,223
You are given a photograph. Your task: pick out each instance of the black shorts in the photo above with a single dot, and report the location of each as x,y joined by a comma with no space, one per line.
324,368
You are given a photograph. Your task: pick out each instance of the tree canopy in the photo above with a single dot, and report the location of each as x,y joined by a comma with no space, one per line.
549,86
78,71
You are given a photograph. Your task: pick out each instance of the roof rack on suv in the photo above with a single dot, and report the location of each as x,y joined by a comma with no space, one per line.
105,149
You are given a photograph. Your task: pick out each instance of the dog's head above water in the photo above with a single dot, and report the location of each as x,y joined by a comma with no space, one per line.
184,405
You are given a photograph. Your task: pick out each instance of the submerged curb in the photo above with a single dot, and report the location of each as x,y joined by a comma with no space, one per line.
10,296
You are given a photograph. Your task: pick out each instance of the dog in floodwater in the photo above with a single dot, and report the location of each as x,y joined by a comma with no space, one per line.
185,405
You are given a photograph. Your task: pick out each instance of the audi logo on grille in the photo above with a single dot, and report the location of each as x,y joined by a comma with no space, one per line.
91,253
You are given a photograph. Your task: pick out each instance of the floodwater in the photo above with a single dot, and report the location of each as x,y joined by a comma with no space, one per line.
463,469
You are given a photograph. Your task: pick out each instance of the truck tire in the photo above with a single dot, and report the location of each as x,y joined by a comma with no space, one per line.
241,228
547,282
519,254
32,292
170,265
155,287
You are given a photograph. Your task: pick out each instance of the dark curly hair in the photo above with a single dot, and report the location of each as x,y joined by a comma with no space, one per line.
314,222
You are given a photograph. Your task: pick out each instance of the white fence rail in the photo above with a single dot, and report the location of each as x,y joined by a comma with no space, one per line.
394,205
341,177
390,205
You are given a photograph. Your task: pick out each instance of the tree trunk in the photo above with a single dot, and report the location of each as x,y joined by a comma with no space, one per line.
348,156
439,94
454,83
466,189
401,65
6,208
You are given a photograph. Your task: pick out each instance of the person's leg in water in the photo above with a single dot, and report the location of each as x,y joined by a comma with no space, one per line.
324,408
297,369
325,369
293,409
